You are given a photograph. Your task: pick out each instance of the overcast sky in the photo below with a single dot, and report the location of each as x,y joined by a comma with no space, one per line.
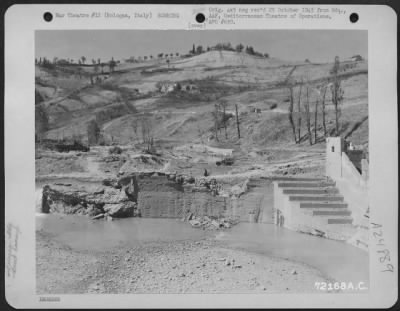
316,45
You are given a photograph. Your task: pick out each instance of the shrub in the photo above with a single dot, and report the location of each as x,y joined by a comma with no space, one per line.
115,150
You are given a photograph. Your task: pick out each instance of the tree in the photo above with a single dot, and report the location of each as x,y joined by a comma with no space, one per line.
41,122
266,55
316,119
337,93
223,105
168,62
80,72
291,106
216,121
324,89
177,54
193,49
239,48
199,49
146,126
160,55
250,50
308,114
93,132
237,120
83,58
299,114
112,64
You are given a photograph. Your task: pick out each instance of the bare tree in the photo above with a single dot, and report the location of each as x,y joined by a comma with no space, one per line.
237,120
291,105
112,64
216,121
223,105
337,93
308,114
324,89
134,125
316,119
299,113
147,133
93,132
41,122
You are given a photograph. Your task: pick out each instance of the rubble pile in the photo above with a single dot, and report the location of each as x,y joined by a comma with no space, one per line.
107,202
210,223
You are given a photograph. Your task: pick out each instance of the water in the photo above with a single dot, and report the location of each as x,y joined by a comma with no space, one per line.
82,233
336,259
341,261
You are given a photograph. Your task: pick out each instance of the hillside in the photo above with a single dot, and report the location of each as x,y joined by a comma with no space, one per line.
146,96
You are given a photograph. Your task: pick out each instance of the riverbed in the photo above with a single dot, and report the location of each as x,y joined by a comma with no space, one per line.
276,249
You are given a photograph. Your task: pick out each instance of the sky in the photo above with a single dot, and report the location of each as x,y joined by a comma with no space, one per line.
292,45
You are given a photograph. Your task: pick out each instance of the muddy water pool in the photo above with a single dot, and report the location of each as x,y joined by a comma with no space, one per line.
338,260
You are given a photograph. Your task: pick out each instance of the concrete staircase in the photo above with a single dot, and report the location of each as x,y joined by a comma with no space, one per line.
312,205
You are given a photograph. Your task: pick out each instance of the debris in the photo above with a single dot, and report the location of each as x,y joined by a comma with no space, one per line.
215,224
317,232
98,216
195,223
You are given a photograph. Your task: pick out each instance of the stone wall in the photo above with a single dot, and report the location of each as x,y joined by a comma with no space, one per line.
175,204
160,197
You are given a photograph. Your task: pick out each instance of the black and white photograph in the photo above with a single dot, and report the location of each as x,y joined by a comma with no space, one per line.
221,161
200,156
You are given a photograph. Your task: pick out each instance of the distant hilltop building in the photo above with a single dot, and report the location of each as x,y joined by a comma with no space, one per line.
166,87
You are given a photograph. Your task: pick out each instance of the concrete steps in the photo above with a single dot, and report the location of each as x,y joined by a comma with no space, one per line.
327,190
317,203
334,219
338,212
342,221
321,184
323,205
320,198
